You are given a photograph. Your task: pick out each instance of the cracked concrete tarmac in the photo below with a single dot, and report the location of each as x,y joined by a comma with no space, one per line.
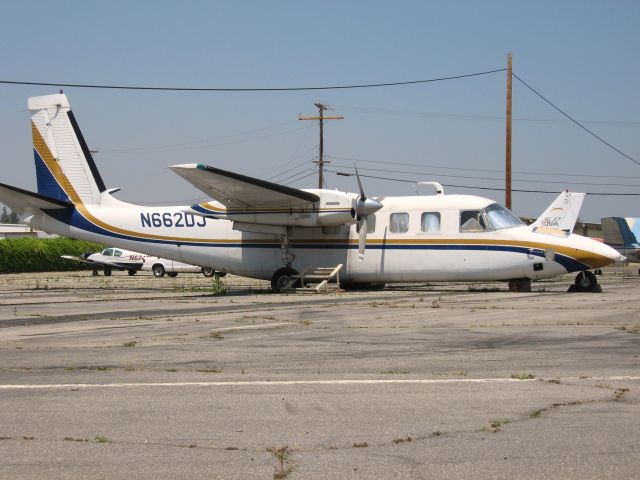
141,377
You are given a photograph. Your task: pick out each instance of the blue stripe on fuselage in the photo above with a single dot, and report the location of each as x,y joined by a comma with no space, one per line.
77,220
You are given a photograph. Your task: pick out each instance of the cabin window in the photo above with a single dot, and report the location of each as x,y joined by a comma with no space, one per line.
371,224
430,222
472,221
117,253
108,252
399,223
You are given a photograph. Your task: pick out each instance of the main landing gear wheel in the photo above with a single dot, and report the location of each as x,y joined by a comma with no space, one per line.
587,282
172,274
158,270
283,279
131,272
107,271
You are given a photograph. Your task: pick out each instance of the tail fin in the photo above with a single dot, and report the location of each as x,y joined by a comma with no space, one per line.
64,166
562,213
621,232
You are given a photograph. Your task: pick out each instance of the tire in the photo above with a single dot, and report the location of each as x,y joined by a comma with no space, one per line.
131,272
208,271
172,274
281,278
586,282
107,271
158,270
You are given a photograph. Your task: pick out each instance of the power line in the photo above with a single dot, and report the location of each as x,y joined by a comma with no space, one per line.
480,188
291,172
194,142
489,178
575,121
551,174
201,147
483,117
313,172
257,89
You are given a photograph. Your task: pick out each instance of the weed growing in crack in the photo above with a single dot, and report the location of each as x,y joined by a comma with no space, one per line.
284,466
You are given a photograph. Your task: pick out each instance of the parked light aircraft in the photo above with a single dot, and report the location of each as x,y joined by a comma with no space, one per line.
269,231
120,259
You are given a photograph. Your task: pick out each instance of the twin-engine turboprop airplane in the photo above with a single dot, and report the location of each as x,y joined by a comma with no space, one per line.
264,230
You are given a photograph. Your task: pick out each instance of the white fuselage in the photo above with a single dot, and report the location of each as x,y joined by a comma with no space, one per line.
391,256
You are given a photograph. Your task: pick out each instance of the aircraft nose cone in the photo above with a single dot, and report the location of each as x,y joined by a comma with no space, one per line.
605,255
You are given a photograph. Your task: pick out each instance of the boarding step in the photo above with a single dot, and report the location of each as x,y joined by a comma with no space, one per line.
318,278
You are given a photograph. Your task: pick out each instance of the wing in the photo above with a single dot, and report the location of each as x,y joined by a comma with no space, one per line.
239,192
78,259
24,201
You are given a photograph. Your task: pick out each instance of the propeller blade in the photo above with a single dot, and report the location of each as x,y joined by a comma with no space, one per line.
363,197
362,238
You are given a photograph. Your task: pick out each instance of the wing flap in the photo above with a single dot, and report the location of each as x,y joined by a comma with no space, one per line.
236,191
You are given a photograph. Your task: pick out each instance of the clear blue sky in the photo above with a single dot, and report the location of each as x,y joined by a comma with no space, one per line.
583,55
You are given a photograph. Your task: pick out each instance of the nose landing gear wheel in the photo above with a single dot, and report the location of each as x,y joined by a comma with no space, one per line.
587,282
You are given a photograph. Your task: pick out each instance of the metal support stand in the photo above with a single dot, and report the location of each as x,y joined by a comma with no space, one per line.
287,256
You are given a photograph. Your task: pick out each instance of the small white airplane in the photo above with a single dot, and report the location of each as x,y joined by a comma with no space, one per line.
111,259
269,231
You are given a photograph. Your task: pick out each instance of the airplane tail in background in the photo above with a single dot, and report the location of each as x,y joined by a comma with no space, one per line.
562,213
621,232
64,166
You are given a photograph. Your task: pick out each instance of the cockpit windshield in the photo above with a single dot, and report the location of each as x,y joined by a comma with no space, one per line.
499,217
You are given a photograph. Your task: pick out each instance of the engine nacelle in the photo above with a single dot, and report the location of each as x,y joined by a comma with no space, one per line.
334,208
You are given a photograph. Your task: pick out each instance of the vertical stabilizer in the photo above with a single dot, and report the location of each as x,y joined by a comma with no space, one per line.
64,166
620,232
562,213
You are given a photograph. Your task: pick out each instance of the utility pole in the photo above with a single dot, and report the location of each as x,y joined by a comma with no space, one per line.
507,176
321,118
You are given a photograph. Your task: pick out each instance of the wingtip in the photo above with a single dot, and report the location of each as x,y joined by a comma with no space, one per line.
184,166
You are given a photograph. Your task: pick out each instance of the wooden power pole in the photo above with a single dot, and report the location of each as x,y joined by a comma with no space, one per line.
321,118
507,176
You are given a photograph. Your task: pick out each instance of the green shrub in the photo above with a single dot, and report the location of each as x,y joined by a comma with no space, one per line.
43,255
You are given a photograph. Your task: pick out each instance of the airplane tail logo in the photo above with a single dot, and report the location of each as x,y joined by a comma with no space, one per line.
64,166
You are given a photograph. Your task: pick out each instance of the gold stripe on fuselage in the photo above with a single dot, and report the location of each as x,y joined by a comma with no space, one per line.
592,259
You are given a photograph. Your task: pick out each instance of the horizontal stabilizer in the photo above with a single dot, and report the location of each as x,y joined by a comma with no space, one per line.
237,191
562,213
24,201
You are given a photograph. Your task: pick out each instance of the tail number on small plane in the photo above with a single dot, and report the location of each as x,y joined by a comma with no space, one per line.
168,219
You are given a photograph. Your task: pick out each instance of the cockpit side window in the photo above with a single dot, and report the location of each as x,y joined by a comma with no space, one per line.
499,217
108,252
472,221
